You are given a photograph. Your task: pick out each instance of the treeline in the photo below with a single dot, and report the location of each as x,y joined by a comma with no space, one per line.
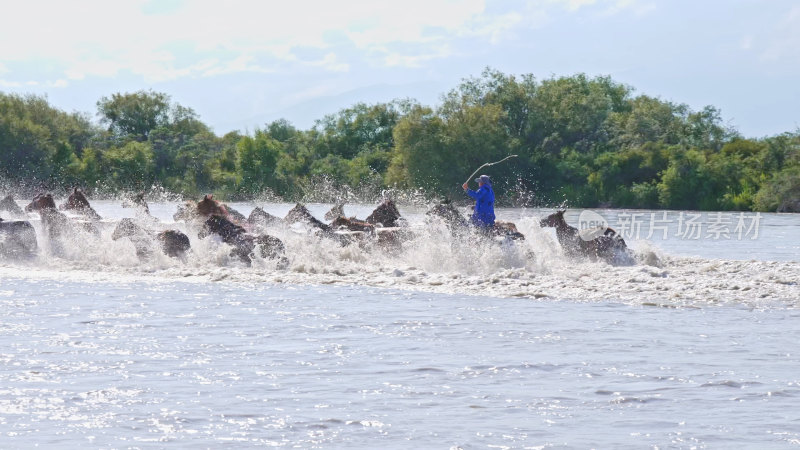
581,141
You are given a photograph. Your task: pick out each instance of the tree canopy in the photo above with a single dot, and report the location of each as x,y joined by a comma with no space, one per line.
582,141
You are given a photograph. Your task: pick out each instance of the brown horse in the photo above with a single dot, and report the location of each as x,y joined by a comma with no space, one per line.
198,212
352,224
386,215
208,206
78,202
458,224
608,246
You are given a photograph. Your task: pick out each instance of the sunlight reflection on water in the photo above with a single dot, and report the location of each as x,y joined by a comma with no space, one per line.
210,364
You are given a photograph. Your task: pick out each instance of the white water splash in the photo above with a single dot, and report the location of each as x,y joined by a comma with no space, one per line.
432,261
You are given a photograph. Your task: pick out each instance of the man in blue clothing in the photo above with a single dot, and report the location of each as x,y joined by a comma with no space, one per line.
483,217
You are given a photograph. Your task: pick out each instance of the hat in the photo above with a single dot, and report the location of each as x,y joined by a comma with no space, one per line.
484,179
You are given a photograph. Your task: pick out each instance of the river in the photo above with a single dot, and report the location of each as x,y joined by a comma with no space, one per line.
443,345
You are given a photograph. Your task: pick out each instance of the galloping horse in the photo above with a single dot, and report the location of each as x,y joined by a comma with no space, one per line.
458,224
244,244
608,246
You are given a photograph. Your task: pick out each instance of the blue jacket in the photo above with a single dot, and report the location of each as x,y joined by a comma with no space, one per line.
484,206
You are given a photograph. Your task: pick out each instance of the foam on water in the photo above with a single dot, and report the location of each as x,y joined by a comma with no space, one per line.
433,260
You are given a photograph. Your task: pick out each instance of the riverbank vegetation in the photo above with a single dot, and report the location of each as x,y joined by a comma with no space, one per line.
581,141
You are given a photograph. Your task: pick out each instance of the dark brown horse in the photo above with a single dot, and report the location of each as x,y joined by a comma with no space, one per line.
608,246
78,202
386,215
244,244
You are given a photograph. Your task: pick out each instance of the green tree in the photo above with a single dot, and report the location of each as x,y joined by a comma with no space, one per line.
573,112
89,169
422,153
134,115
256,161
687,183
360,127
36,140
781,193
648,120
221,167
66,166
704,129
131,166
615,174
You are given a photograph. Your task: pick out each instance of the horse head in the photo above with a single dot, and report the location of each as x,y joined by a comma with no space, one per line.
210,207
385,214
41,202
76,200
554,220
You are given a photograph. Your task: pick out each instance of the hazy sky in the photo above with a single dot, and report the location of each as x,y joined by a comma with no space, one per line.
240,64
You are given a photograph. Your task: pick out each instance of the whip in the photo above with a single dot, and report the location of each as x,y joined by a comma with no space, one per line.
487,165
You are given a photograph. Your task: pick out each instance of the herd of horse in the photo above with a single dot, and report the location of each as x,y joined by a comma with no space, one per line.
248,236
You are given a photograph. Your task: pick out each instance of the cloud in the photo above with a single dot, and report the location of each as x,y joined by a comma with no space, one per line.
783,42
10,84
574,5
330,62
96,38
161,41
398,59
497,28
607,7
638,7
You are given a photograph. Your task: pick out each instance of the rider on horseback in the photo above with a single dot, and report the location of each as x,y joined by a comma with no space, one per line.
483,217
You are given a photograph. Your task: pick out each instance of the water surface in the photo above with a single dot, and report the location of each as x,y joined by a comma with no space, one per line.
440,346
